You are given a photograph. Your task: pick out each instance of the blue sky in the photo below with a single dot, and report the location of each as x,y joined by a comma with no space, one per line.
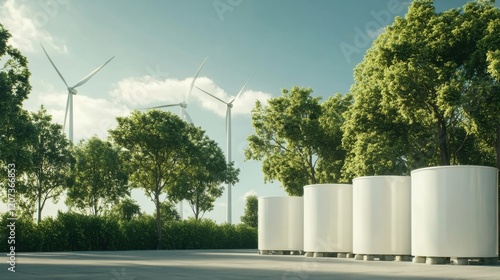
160,44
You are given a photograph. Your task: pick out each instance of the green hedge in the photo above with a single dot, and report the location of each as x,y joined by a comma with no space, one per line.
77,232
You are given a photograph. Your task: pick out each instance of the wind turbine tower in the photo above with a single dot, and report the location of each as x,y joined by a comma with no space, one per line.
229,106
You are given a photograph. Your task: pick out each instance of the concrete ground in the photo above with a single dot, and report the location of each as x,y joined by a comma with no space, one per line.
223,264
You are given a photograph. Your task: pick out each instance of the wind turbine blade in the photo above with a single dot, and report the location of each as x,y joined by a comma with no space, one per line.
211,95
186,116
194,80
66,113
86,78
57,70
162,106
239,93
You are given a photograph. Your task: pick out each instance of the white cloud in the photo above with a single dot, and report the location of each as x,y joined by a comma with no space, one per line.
247,194
91,116
26,23
147,91
241,106
246,101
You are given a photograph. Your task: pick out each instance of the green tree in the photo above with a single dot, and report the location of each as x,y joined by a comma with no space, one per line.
422,56
50,162
126,210
409,94
101,176
294,139
250,217
482,98
378,139
16,131
200,184
160,148
330,148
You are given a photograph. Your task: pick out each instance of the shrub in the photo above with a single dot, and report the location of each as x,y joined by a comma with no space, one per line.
78,232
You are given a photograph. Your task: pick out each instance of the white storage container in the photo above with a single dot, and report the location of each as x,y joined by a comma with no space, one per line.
381,215
328,218
281,223
455,211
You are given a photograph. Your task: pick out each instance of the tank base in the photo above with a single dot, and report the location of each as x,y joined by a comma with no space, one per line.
456,260
418,259
279,252
435,260
328,255
382,257
474,261
403,258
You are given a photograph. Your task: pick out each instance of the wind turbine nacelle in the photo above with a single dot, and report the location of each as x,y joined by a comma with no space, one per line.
72,90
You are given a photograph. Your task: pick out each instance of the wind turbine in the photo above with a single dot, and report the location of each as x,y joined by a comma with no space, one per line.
184,115
72,91
183,105
228,141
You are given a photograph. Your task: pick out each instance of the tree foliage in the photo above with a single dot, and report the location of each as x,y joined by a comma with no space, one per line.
297,138
49,165
482,99
16,130
250,217
169,212
200,184
410,91
101,176
126,210
163,149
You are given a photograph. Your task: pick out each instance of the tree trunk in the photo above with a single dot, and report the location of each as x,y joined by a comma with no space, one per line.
158,221
95,207
197,207
443,145
39,194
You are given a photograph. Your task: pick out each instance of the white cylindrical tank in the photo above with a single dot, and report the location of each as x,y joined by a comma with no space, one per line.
328,218
280,223
454,211
381,215
295,223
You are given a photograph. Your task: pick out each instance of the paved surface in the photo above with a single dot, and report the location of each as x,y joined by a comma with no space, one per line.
223,264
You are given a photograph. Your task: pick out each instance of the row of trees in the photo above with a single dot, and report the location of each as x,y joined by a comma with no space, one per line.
426,93
156,151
